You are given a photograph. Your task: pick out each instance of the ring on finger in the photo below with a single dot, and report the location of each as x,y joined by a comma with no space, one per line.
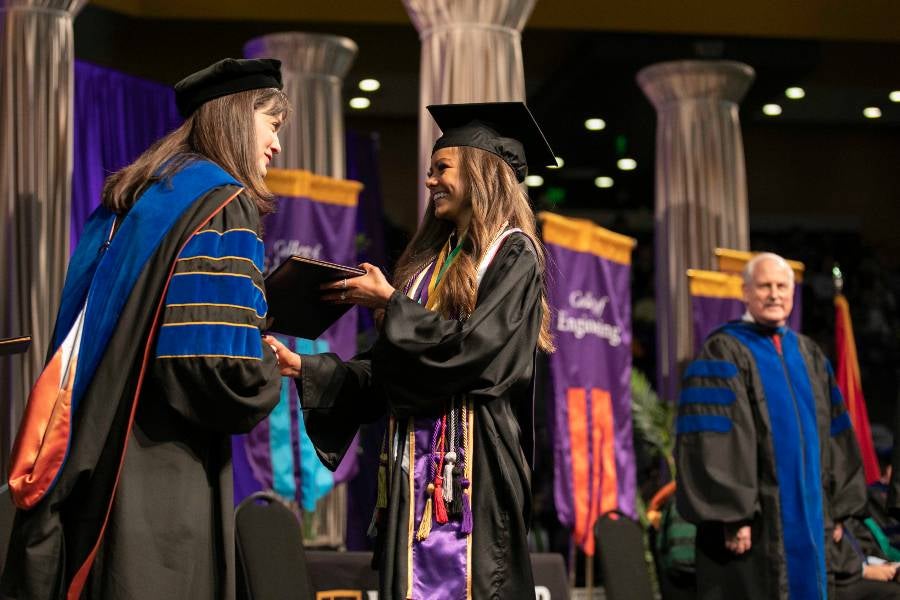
343,295
344,284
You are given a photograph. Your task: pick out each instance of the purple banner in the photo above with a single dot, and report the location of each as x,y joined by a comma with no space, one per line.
278,454
590,296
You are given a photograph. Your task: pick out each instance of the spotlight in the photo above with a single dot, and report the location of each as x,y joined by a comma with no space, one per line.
595,124
773,110
359,103
872,112
534,181
369,85
604,182
559,163
795,93
626,164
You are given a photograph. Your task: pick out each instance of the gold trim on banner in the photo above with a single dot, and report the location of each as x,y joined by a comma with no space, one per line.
582,235
305,184
715,284
734,261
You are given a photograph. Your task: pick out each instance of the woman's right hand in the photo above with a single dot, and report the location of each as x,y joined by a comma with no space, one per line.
288,362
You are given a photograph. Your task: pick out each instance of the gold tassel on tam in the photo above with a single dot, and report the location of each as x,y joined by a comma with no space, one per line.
425,525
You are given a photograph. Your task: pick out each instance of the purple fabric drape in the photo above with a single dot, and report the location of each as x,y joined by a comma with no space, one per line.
117,117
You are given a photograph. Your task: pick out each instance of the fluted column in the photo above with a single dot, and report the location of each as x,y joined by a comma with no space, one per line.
701,189
313,67
36,89
471,52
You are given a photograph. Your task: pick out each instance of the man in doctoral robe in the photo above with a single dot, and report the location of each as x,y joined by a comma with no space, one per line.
767,460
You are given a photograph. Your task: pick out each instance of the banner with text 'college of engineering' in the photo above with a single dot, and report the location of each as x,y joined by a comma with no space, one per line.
589,289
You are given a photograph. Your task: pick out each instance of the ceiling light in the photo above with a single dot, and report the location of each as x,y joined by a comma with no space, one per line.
604,182
534,181
795,93
773,110
360,103
872,112
595,124
559,163
894,96
626,164
369,85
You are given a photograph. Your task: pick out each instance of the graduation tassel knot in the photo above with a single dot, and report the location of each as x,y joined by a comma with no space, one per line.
425,524
449,461
455,507
466,527
440,510
381,500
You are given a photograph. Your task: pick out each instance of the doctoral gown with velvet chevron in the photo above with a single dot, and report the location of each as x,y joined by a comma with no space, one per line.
418,363
764,438
195,374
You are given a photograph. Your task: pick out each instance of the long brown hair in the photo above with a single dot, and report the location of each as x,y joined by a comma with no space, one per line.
496,197
222,130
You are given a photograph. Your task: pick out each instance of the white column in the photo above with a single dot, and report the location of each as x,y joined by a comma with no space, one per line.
36,90
313,67
701,189
471,52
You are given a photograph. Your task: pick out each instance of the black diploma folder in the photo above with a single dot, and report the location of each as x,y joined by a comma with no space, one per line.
16,345
295,301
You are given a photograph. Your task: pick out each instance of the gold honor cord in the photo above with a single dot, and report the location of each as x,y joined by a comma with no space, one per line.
411,432
443,262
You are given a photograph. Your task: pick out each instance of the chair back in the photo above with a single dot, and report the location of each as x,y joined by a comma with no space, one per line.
271,563
620,546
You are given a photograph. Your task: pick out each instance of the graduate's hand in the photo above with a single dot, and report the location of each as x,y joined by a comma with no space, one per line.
885,572
738,541
289,362
838,533
371,290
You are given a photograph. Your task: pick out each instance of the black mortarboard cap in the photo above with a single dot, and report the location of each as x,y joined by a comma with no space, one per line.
228,76
506,129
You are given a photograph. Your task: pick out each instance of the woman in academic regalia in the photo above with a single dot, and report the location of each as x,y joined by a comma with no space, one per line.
453,368
122,466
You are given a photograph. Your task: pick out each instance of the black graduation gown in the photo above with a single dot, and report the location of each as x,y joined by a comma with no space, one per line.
418,363
170,528
732,477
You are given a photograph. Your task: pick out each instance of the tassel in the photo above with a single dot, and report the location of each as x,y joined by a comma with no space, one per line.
372,531
466,527
440,511
425,524
455,509
449,461
381,501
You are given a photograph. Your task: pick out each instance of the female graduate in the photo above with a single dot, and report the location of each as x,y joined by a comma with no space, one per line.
122,466
453,368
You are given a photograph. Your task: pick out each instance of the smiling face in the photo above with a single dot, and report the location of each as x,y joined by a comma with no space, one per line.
267,144
446,187
770,293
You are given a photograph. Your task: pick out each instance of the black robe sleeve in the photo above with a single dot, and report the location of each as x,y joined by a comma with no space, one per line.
210,361
337,397
846,482
716,444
